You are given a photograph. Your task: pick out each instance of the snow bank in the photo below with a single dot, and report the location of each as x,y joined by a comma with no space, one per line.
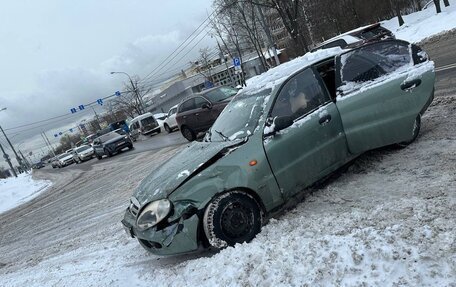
15,191
423,24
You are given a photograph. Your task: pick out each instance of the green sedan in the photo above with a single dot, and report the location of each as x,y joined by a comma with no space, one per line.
292,126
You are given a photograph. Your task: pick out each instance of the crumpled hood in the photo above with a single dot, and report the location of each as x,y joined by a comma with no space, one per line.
166,178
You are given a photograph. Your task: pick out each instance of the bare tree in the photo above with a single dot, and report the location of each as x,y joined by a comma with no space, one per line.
130,100
204,64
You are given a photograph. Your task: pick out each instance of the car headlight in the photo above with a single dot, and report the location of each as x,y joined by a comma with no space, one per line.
153,213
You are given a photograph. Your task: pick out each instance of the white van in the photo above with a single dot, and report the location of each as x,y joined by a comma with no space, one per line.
144,124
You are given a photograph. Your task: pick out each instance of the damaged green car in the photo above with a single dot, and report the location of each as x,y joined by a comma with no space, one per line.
291,127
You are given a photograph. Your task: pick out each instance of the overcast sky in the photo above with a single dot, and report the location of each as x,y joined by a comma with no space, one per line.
57,54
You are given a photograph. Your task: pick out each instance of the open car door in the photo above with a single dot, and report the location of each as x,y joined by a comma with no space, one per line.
382,89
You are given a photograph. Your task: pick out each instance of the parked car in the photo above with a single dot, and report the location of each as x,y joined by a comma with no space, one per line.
195,115
170,122
55,162
83,153
65,159
160,117
111,143
144,124
291,127
38,165
357,37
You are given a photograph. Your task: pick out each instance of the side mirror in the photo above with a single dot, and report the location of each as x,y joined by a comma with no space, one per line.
279,124
206,106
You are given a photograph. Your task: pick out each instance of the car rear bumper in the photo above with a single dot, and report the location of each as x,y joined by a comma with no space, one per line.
177,238
118,147
153,130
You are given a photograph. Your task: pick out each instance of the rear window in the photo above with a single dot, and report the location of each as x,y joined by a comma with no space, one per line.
187,105
220,94
147,121
373,61
82,148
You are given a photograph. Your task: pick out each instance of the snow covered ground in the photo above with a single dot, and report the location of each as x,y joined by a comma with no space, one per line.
423,24
388,220
15,191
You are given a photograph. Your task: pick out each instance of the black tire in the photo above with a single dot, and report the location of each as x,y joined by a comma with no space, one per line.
415,131
231,218
130,147
188,133
107,152
167,128
99,157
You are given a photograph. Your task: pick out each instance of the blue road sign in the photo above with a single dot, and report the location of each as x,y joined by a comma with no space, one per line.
72,110
60,133
117,93
71,130
56,135
81,107
236,62
100,101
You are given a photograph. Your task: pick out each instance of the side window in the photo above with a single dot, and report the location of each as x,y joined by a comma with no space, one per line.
199,101
373,61
300,95
187,105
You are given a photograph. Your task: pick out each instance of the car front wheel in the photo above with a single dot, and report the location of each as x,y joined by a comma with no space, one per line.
231,218
188,134
167,128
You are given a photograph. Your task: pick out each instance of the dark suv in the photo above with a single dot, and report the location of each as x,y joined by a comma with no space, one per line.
112,142
196,114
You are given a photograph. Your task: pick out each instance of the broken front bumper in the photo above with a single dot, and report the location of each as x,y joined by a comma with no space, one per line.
179,237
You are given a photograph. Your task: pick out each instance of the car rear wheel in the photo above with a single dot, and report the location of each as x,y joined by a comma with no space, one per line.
167,128
188,134
99,157
231,218
415,132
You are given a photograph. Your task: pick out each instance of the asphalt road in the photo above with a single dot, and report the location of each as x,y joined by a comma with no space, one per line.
442,51
86,202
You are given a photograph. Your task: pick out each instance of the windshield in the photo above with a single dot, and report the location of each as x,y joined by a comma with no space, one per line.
240,117
82,148
63,155
109,136
220,94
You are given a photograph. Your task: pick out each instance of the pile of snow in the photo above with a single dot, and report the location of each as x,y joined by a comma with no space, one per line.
15,191
424,24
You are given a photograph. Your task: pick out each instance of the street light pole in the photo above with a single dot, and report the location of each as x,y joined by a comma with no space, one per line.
135,89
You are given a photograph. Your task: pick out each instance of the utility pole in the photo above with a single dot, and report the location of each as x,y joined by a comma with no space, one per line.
7,158
45,142
25,160
47,139
19,161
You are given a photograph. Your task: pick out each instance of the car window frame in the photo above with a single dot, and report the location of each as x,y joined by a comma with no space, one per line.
338,63
320,83
182,104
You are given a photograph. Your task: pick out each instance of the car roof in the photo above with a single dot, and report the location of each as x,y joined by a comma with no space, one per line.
277,75
140,117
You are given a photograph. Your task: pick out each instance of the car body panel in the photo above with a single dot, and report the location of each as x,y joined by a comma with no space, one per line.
171,118
307,150
379,112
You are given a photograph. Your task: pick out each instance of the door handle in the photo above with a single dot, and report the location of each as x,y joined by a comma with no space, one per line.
184,117
410,85
324,120
197,114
